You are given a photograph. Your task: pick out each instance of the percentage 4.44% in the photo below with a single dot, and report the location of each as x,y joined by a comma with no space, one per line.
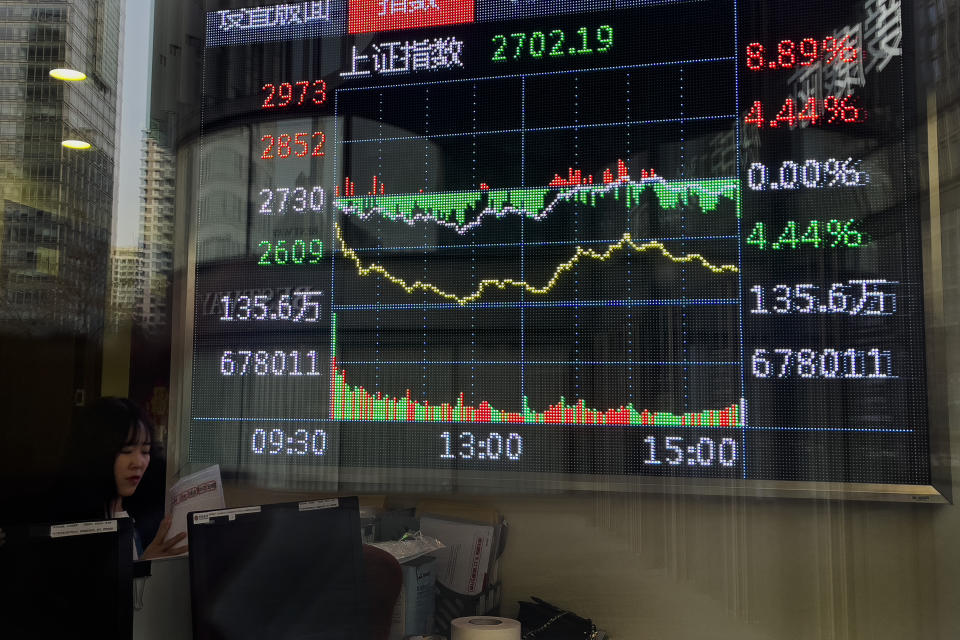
830,110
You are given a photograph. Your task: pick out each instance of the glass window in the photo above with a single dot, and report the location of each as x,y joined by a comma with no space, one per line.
668,285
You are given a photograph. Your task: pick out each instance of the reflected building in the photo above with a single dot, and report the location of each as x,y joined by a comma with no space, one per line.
157,187
126,286
56,210
939,22
57,202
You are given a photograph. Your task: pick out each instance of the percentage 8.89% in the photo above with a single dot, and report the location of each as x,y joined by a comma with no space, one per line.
807,52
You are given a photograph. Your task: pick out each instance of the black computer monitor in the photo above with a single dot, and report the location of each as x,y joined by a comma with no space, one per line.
67,580
284,571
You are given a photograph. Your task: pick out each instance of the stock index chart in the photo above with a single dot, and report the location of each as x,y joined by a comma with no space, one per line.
588,237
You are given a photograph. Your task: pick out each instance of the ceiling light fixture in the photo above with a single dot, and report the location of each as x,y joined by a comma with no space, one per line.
68,74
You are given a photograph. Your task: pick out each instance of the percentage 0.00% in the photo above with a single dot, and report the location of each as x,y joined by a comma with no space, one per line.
812,174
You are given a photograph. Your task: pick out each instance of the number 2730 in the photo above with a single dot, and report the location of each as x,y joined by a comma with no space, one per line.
286,145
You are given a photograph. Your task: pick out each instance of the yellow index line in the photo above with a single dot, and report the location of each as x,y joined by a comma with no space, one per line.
624,242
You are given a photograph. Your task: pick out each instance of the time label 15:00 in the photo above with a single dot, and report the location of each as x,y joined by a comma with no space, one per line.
676,451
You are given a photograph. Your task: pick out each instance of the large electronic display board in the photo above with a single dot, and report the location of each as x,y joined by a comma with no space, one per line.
591,237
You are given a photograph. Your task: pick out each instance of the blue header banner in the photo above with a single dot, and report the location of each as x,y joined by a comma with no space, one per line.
493,10
291,21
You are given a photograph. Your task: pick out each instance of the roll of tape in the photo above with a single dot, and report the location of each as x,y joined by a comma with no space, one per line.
484,628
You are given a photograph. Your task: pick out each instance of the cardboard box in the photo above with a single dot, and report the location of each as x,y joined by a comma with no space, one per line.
463,565
468,571
413,613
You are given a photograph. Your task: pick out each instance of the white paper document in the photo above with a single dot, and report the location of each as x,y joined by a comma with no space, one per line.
464,565
200,491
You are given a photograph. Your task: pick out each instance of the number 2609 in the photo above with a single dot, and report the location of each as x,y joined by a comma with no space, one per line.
297,252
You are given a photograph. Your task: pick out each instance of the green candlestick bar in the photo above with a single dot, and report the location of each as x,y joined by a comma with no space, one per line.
452,209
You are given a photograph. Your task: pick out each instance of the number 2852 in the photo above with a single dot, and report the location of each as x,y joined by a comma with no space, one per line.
287,145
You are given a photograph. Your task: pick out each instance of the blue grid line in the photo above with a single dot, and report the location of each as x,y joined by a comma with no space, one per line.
691,302
623,67
565,127
507,245
650,363
651,427
736,94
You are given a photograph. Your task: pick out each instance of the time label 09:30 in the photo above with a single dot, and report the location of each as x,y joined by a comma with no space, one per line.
301,442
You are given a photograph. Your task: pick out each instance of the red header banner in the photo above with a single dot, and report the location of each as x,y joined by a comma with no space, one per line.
365,16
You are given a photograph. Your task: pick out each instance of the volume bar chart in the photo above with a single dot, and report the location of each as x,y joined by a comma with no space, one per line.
356,403
351,402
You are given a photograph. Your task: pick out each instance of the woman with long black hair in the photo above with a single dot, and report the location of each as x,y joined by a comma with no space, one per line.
108,460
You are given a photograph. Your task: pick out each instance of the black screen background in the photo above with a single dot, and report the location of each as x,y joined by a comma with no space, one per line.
633,329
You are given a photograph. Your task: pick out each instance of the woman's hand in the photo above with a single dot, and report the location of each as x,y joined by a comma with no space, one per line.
162,548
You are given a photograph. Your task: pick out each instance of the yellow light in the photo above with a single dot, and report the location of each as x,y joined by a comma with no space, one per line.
75,144
68,74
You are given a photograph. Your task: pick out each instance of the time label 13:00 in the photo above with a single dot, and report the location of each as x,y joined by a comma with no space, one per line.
466,445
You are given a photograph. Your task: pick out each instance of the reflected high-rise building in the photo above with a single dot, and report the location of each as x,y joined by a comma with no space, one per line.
126,286
156,234
56,208
57,202
939,22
